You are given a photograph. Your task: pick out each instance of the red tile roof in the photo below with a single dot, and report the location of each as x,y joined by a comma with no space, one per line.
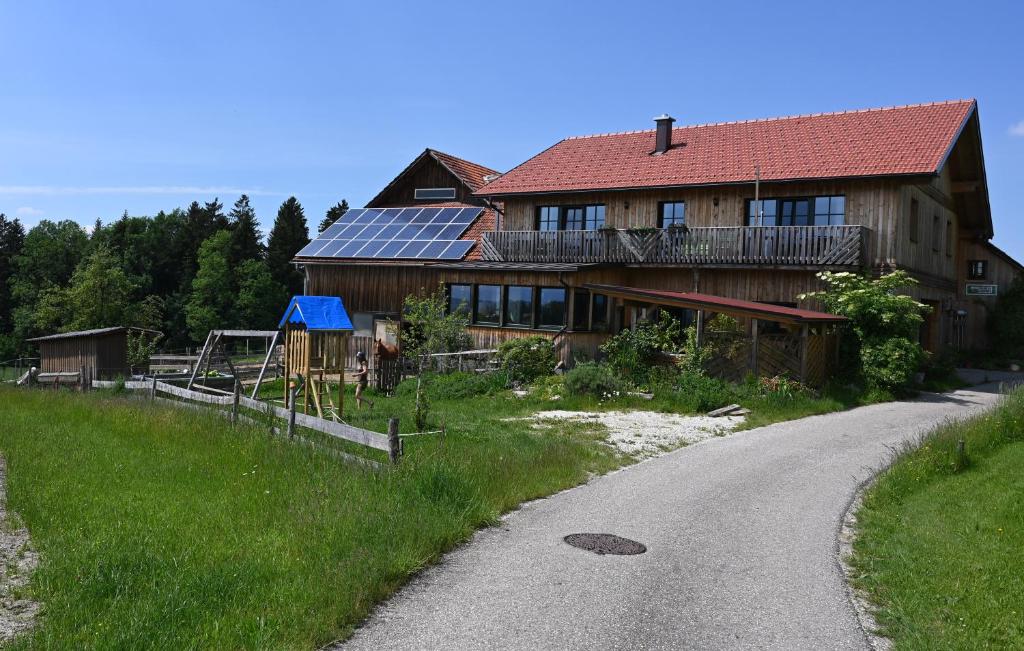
736,306
472,174
874,142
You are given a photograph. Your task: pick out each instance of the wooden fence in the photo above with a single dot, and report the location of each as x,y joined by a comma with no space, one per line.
390,443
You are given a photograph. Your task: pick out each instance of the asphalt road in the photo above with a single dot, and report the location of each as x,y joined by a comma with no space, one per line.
741,538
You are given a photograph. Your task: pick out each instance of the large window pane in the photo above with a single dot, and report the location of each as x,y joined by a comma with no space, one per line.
460,299
599,314
519,306
547,218
573,219
581,310
594,217
488,304
673,213
763,214
552,307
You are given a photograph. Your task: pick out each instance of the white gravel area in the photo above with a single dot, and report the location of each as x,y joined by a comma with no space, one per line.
648,433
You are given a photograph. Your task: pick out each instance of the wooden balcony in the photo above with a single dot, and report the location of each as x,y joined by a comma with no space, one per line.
767,246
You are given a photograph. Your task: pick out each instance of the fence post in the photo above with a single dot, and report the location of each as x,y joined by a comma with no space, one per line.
152,389
291,411
234,403
81,379
394,443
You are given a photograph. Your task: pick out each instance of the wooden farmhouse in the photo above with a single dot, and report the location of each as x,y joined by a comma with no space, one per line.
578,241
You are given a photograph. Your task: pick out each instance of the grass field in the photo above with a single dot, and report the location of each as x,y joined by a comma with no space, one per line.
163,528
939,548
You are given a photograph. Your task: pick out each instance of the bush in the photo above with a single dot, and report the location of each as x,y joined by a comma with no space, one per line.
890,363
524,360
697,392
592,379
635,352
780,388
1007,320
458,386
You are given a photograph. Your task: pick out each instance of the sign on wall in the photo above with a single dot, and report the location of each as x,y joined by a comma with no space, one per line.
982,289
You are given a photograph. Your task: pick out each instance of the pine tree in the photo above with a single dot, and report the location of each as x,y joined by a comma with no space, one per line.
246,238
334,213
12,238
289,234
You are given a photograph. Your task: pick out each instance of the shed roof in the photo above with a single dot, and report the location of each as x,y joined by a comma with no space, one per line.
899,140
95,332
317,313
732,306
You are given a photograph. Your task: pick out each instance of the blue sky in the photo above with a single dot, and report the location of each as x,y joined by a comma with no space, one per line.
139,106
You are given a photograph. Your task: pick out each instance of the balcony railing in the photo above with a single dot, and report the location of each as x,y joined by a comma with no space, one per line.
806,246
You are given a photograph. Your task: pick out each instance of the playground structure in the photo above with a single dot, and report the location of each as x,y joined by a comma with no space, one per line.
316,336
215,356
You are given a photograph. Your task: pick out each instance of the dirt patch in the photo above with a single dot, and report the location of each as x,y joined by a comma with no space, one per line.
643,434
17,561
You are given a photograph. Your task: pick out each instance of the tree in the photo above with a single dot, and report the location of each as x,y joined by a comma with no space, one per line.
884,323
429,330
49,255
289,234
1006,322
261,299
211,305
334,213
12,238
99,293
200,223
246,238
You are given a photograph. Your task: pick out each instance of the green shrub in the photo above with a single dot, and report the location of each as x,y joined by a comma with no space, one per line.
890,363
634,352
460,385
697,392
524,360
780,388
592,379
1007,320
549,387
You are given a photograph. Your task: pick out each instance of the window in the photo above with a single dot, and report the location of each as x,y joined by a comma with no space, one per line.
488,305
761,213
519,307
977,269
949,238
424,194
581,310
797,211
594,218
570,218
547,218
671,213
552,307
573,219
460,298
599,313
829,210
936,233
915,209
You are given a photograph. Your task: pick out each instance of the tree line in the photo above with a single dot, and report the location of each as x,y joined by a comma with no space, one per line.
183,273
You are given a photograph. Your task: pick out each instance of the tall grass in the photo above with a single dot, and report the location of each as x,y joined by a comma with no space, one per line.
941,534
163,528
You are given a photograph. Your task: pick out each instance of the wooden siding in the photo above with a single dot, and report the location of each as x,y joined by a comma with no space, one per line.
428,174
104,356
979,308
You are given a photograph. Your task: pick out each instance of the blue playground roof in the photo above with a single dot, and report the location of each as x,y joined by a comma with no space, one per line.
317,313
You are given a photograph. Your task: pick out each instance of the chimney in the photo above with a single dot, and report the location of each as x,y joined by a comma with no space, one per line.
664,139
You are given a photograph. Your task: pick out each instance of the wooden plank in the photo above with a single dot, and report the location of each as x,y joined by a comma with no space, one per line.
170,389
266,362
374,440
199,361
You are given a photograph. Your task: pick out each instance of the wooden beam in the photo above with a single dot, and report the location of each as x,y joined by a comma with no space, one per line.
960,187
199,361
266,362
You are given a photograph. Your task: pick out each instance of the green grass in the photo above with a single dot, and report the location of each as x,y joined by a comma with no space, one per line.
164,528
940,537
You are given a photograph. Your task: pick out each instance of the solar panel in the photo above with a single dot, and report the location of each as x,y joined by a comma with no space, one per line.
396,233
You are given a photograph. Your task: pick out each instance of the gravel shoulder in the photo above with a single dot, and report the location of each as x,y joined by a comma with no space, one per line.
17,561
741,533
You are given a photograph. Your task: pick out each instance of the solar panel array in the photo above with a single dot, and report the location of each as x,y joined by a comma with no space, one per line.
397,234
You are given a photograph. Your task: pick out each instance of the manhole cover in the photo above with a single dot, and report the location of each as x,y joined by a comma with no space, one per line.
605,543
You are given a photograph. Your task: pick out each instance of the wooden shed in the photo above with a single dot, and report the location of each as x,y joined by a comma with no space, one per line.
102,352
316,333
